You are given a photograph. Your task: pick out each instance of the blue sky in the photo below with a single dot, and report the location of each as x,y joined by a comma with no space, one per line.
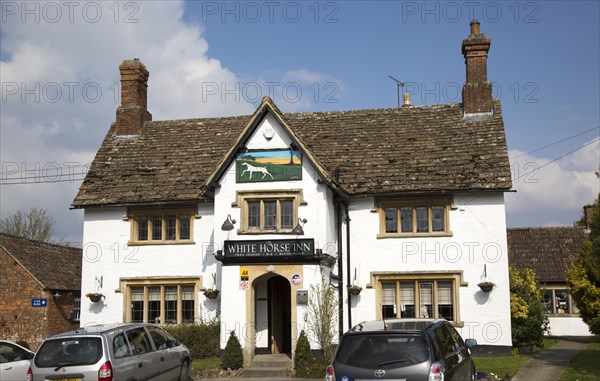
59,74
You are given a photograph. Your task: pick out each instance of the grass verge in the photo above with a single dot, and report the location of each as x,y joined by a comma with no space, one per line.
584,366
207,363
501,365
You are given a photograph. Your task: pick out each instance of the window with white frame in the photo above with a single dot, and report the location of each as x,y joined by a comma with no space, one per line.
558,301
414,216
159,301
422,296
161,226
268,211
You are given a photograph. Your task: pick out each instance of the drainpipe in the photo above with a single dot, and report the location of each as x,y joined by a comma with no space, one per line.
348,272
338,222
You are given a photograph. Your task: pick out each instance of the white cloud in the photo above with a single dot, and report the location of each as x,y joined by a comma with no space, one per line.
60,85
555,193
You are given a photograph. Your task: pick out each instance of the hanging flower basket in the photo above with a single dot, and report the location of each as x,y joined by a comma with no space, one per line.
211,293
95,297
354,289
486,286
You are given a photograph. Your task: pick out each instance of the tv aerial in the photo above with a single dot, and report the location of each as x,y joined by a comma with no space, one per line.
399,84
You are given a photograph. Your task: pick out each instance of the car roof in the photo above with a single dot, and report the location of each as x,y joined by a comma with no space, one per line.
396,325
99,329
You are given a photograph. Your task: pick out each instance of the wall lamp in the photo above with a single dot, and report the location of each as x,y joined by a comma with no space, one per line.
298,229
228,224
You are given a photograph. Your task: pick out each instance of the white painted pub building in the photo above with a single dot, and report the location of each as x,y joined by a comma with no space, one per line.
407,203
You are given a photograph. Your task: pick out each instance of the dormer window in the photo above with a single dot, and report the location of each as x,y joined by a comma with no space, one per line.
161,226
414,217
269,211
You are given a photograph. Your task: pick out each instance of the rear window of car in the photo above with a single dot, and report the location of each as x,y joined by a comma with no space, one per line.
69,352
391,350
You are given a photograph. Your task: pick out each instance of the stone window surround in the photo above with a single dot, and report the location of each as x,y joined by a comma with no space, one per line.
149,212
414,201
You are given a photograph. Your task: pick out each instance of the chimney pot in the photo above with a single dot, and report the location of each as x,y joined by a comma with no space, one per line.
406,100
475,27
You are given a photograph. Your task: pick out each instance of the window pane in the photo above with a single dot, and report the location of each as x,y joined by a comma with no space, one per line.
406,215
187,304
137,304
270,214
445,305
287,214
138,340
388,300
142,228
157,228
154,305
426,300
422,226
437,218
391,220
407,299
254,214
170,304
184,227
562,302
547,298
171,228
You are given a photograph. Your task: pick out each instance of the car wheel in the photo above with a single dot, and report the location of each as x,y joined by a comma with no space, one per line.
185,369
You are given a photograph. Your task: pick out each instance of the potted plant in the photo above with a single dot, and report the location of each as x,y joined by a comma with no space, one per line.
95,297
211,293
486,286
354,289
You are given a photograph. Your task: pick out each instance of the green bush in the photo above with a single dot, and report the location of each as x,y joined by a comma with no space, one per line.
203,340
233,357
529,323
23,343
303,357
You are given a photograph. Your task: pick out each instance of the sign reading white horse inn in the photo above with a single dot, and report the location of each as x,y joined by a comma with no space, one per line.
269,251
279,165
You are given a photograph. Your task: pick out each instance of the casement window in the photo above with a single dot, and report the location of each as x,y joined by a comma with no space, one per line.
269,211
159,301
161,226
558,301
411,217
418,296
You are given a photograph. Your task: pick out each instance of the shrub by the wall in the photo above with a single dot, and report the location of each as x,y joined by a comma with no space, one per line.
303,358
233,357
203,340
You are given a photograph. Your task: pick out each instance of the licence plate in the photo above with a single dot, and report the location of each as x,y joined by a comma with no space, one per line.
68,379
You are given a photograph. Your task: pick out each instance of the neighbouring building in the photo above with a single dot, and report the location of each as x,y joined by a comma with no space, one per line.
40,289
548,252
407,203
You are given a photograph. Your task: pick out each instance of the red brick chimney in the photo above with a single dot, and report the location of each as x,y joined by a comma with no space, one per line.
477,91
133,113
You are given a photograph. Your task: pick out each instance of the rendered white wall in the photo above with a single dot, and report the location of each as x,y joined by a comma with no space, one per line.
568,326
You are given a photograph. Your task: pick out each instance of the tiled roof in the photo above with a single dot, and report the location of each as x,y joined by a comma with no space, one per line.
56,267
416,149
547,251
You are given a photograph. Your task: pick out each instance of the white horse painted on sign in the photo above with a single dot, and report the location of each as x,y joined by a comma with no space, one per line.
252,169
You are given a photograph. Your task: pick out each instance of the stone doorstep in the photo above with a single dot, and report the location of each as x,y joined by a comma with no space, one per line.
268,366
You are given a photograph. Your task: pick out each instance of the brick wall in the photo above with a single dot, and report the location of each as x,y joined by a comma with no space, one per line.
18,319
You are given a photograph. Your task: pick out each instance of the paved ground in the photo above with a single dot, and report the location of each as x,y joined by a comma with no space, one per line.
549,364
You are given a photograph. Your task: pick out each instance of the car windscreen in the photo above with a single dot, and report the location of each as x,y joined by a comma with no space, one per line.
379,350
69,352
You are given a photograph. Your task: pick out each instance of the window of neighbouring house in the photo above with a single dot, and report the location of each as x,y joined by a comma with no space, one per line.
160,226
161,301
268,211
414,217
558,301
76,313
424,296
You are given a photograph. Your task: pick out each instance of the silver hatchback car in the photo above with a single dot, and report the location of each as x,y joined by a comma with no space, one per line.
118,352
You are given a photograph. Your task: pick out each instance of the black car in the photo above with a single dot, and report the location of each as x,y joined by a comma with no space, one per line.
403,349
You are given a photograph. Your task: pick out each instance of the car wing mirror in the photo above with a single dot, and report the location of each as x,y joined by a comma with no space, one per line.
30,356
470,343
173,343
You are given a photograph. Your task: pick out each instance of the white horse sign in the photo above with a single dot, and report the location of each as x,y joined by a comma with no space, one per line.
257,166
